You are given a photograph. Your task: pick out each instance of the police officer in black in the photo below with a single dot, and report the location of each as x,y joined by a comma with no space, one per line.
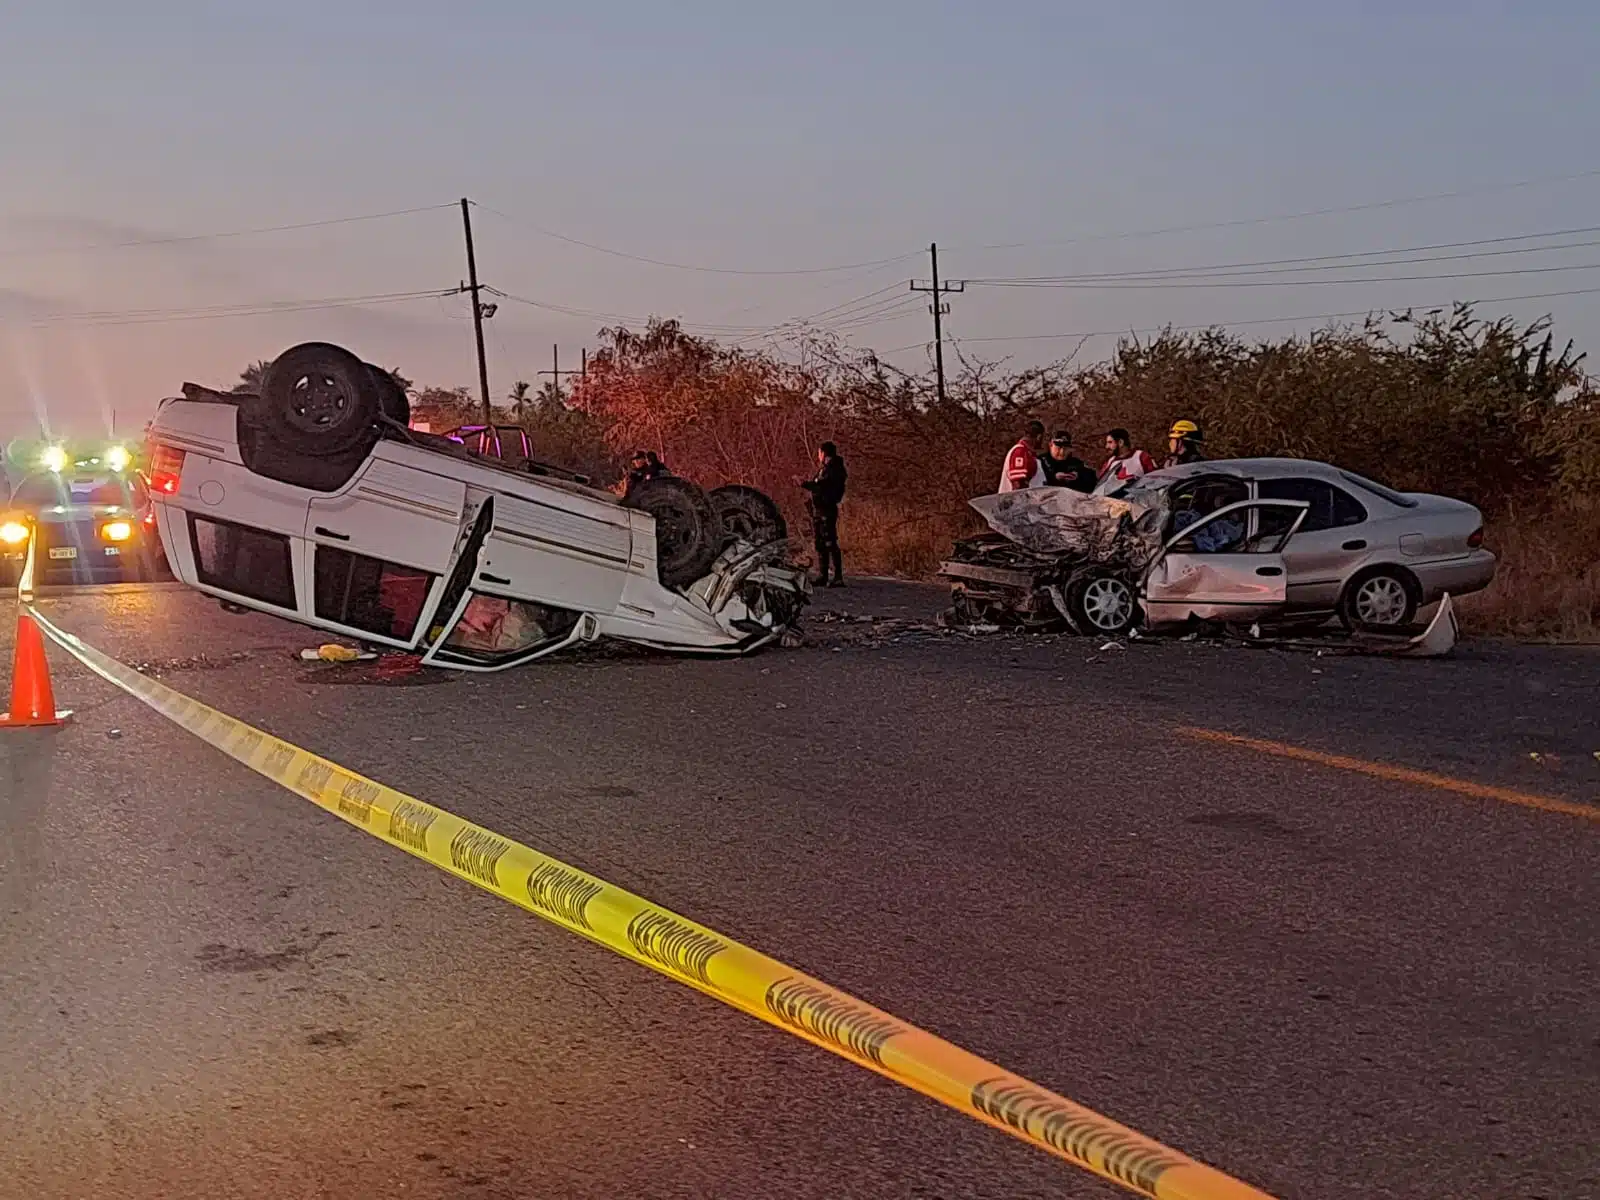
1062,468
826,493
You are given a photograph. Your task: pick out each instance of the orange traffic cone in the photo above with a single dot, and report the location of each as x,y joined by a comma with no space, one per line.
33,703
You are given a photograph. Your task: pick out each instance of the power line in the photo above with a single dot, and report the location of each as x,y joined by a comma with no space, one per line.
1399,202
1328,316
839,312
207,237
623,318
1134,285
902,307
677,266
1325,262
160,316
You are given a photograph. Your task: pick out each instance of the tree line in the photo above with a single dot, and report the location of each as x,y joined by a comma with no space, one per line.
1491,411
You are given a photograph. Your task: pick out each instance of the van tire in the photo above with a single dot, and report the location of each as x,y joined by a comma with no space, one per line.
744,513
317,400
393,402
688,535
263,457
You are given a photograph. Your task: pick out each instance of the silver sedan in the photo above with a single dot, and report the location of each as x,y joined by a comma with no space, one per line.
1369,553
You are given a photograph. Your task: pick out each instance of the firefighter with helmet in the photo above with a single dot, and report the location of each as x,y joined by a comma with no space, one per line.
1183,444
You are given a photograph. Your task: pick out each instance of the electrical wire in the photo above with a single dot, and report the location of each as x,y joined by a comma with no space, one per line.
1400,202
1133,285
1328,316
677,266
19,251
1325,262
621,318
160,316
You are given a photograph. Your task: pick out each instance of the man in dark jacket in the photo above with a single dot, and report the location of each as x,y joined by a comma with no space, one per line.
1063,468
826,490
644,466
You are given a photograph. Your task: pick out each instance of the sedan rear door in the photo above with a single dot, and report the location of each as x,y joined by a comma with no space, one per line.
1215,570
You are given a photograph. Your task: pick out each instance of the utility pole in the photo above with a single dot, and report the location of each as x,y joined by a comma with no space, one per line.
555,372
939,309
471,286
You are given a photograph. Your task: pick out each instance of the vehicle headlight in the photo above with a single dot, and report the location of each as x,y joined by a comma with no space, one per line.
118,459
54,459
117,531
13,533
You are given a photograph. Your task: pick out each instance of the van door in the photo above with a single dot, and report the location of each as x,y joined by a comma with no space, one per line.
379,550
1215,570
568,550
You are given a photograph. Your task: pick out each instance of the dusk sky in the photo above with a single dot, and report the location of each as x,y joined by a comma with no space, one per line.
1027,138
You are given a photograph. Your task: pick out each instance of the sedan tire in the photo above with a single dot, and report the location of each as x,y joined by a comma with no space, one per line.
1382,600
1103,604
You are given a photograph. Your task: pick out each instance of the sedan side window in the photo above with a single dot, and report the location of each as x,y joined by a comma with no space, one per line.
1347,510
1331,507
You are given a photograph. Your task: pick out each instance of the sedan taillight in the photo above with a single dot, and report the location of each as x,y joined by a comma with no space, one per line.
1475,540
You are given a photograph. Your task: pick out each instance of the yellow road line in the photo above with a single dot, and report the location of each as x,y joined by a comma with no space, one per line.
1378,770
690,953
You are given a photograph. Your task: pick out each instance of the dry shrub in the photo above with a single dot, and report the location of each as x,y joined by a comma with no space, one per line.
1487,411
1548,581
894,537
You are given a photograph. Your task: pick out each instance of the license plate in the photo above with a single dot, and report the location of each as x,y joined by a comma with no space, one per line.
63,552
113,551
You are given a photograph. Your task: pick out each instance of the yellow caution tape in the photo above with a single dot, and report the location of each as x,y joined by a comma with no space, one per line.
691,953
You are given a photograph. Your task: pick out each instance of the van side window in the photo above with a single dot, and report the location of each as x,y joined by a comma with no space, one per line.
369,594
248,562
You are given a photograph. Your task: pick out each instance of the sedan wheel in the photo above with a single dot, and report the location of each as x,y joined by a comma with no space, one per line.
1104,605
1381,601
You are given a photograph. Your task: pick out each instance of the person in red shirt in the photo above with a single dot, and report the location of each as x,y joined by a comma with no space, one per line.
1022,469
1125,462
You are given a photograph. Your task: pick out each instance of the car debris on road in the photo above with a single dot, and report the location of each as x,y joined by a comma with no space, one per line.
313,500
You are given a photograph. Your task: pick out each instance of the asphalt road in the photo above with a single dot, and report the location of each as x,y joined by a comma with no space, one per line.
1329,984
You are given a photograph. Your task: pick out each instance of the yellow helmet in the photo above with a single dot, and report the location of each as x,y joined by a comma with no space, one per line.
1184,429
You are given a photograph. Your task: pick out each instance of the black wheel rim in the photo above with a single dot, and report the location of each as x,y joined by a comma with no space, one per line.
317,403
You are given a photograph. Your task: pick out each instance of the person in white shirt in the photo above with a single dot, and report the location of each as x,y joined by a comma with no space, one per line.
1022,467
1125,462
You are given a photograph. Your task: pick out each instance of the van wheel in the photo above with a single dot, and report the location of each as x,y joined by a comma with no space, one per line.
392,400
687,533
1381,600
316,400
743,513
263,456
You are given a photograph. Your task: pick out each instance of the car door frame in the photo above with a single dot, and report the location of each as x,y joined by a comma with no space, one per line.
351,501
1268,564
1321,582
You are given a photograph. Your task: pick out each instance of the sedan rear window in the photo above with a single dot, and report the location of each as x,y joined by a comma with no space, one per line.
1377,489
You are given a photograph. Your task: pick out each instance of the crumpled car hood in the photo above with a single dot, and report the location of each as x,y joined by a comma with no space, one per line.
1054,520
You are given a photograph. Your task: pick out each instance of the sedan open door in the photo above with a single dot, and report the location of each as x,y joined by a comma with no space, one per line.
1215,569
